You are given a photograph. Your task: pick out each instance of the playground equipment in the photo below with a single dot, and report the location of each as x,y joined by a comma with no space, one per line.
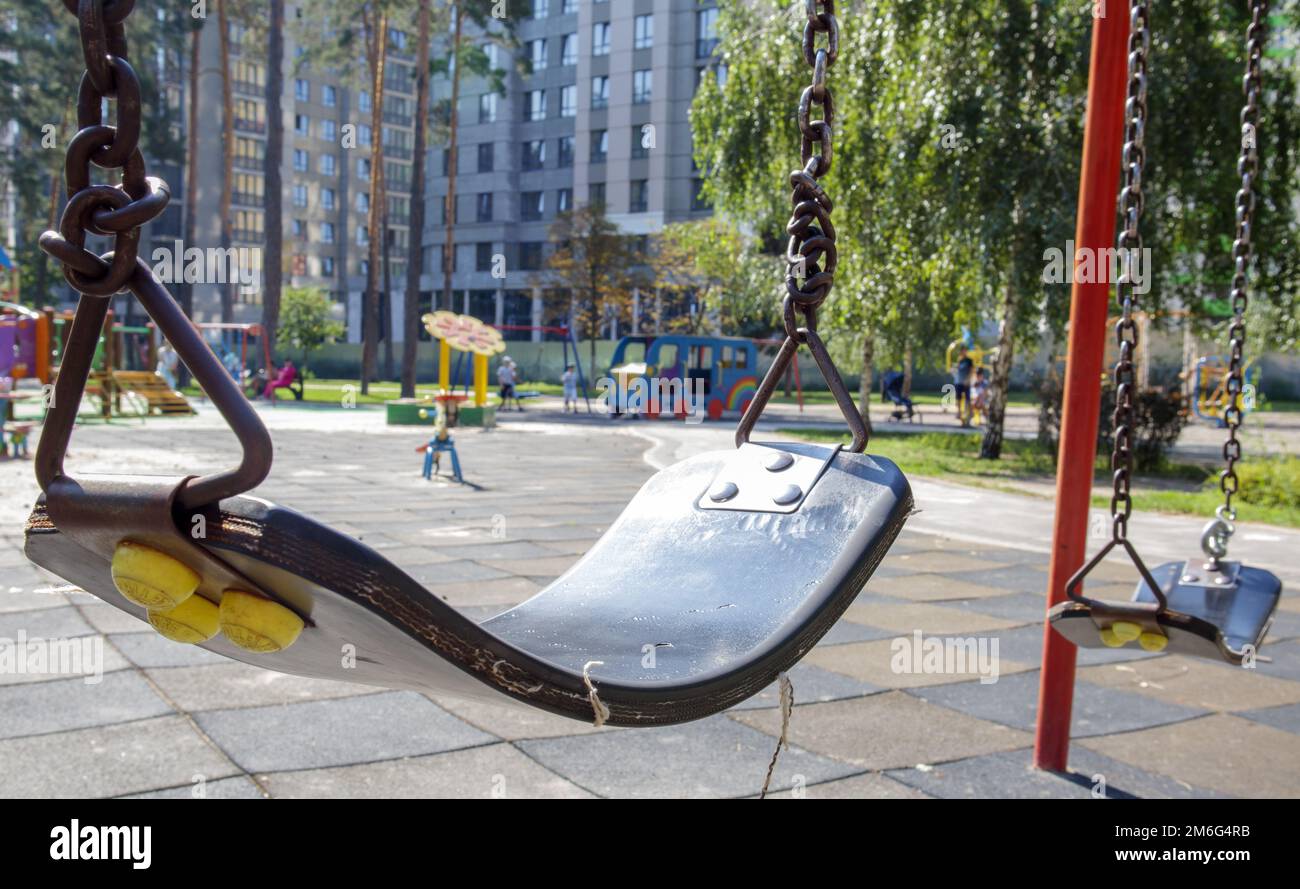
288,593
981,359
465,334
441,443
568,342
24,343
718,373
1210,391
1203,606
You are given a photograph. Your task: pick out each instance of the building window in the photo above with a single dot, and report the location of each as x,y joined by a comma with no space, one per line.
327,198
640,141
487,108
535,105
530,256
596,194
643,82
570,7
532,204
639,196
534,154
569,101
600,39
599,146
302,90
564,157
363,235
327,232
299,228
301,160
327,266
643,33
327,162
363,202
563,200
364,134
600,91
569,49
300,195
363,168
363,101
329,96
329,130
484,206
301,124
537,54
706,32
540,10
485,157
483,256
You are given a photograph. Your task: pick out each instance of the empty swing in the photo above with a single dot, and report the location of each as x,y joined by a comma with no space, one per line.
729,566
1204,606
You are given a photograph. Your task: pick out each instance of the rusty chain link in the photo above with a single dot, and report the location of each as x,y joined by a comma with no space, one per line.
811,255
109,210
1248,170
1124,418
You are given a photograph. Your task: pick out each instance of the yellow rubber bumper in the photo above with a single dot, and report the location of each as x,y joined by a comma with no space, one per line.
257,624
1122,632
193,621
151,578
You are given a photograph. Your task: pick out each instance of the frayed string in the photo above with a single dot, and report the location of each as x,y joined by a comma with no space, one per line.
787,709
599,711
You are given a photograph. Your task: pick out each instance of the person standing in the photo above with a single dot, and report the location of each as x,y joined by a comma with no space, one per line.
168,361
570,382
961,383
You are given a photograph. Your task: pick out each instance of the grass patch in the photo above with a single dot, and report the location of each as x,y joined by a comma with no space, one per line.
1269,490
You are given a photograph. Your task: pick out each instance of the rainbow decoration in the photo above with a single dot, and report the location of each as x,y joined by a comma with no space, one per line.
741,390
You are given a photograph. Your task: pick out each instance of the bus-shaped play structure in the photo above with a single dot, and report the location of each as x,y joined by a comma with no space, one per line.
721,373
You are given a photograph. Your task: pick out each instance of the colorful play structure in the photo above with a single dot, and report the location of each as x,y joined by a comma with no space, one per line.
721,370
441,443
465,335
1210,389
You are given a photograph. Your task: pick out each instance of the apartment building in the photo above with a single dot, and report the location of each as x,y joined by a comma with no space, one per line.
598,114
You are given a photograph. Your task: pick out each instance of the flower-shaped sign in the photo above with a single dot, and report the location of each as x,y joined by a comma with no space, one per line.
464,333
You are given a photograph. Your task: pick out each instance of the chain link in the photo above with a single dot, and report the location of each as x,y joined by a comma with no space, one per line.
110,210
1124,418
1248,170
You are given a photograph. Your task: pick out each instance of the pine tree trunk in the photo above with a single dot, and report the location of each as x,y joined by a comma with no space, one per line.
453,165
864,383
274,265
227,155
192,161
415,257
991,446
370,308
387,299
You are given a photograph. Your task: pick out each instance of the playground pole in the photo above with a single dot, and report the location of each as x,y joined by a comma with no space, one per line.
1081,404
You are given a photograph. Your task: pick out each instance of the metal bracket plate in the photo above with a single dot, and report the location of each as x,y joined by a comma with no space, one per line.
1200,572
765,478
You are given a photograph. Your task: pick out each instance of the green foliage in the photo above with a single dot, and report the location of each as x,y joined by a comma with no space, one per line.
305,321
735,287
1160,418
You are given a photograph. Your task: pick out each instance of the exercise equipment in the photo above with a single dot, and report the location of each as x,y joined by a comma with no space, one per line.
728,566
1205,605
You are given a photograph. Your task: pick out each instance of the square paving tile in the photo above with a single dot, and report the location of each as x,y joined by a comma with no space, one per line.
46,623
714,757
60,705
1280,659
86,658
1220,752
216,686
150,650
26,597
332,733
1013,701
1286,718
225,788
1015,578
513,723
890,730
1196,683
872,785
905,617
1022,608
109,760
1011,775
108,619
497,771
888,664
946,562
931,588
811,685
845,630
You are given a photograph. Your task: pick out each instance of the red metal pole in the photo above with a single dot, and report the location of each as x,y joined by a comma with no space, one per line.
1089,306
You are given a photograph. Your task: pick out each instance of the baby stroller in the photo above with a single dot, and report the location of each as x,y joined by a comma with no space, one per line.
891,387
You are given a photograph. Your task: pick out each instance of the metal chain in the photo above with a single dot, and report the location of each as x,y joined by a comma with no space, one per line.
1248,170
811,255
1124,418
108,210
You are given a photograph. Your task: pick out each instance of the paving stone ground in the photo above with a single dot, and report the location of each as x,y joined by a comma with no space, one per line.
165,720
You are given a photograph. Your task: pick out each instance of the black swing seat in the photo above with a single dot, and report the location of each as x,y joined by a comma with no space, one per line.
1219,614
723,571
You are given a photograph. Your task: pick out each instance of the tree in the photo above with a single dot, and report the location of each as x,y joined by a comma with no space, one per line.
274,265
596,263
414,261
227,151
305,322
190,214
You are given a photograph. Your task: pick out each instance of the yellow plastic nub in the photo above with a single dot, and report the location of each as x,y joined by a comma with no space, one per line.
194,620
1110,639
257,624
1125,630
1153,641
151,578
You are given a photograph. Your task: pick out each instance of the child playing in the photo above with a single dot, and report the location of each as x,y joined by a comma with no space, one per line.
979,393
570,381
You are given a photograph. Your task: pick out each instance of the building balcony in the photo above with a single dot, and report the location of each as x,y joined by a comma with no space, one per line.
248,88
248,199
